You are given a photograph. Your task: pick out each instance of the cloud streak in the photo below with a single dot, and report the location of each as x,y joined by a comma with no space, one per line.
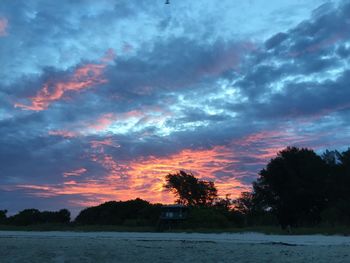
77,172
83,77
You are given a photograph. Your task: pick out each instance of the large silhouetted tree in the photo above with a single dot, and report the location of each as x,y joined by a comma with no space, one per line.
191,191
338,185
344,186
293,186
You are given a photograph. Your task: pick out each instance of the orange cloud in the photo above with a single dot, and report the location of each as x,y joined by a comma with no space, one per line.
83,77
144,177
205,164
3,26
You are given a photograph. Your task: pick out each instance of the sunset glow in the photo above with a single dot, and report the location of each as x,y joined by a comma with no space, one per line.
101,100
144,177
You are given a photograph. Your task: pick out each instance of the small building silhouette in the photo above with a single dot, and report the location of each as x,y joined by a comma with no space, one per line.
174,212
172,215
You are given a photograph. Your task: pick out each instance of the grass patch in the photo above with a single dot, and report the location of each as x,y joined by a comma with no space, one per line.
77,228
269,230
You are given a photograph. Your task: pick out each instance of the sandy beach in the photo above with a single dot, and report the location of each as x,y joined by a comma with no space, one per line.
169,247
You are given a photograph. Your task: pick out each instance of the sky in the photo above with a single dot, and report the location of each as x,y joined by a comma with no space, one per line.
99,100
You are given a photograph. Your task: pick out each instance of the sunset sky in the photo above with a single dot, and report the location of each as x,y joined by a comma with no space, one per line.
100,99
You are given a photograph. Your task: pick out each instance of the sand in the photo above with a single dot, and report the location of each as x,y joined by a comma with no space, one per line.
169,247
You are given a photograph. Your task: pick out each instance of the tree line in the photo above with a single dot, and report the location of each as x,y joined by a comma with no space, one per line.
296,188
34,216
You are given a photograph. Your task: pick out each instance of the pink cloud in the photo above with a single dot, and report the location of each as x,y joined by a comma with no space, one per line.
3,26
109,56
229,59
63,133
77,172
145,115
318,46
103,122
83,77
106,142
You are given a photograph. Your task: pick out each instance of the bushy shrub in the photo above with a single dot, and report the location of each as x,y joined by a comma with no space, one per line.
206,217
132,212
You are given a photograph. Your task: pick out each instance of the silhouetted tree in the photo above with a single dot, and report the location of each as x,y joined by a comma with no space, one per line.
63,216
338,185
60,217
245,204
224,204
331,158
26,217
293,186
191,191
253,210
3,216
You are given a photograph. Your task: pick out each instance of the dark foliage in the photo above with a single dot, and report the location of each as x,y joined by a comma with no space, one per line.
3,217
129,213
251,212
34,216
293,186
338,188
191,191
206,217
225,204
300,188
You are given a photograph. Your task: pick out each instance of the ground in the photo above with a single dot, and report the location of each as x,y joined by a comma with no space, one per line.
33,247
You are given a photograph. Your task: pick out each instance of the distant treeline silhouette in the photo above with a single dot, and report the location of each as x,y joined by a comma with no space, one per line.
296,188
34,216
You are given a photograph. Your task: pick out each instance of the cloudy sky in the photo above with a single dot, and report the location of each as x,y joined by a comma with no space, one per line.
99,100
